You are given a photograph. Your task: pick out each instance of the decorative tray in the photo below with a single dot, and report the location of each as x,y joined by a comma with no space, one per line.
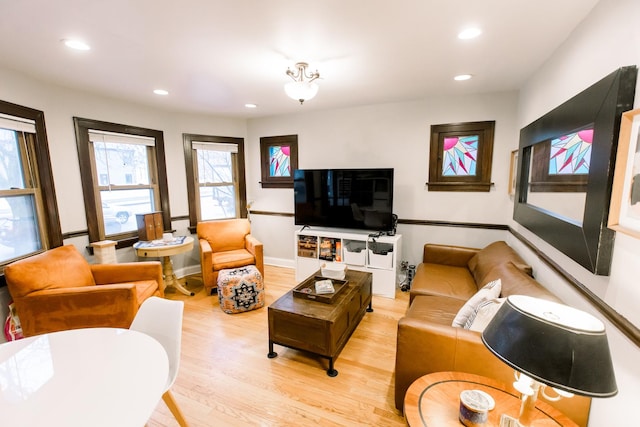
307,289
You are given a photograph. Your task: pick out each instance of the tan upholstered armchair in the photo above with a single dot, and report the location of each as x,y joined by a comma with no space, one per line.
58,290
227,244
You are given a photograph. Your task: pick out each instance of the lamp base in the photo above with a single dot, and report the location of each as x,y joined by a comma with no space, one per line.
508,421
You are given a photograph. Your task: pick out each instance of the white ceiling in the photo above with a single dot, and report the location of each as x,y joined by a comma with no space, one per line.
213,56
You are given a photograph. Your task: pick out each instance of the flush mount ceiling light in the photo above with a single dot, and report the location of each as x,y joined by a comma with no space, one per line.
303,86
160,92
462,77
76,44
469,33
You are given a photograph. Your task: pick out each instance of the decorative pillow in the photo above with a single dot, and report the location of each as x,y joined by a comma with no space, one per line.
483,315
489,291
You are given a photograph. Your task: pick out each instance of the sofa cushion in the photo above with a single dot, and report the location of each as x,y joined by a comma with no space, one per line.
437,309
61,267
146,289
483,315
231,259
492,255
489,291
516,282
224,235
445,280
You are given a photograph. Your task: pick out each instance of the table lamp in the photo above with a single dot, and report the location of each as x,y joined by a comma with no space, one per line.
551,344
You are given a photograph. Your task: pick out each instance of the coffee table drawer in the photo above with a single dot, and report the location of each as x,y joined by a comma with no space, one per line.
304,333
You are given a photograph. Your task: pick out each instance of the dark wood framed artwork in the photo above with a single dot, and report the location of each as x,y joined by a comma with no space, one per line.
625,197
587,241
278,160
460,156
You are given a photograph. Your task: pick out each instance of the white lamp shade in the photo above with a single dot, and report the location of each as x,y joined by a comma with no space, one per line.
301,91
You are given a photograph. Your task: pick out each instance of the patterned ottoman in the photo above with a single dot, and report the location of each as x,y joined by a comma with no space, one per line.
240,289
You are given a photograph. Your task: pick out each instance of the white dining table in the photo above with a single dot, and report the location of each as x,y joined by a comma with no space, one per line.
82,377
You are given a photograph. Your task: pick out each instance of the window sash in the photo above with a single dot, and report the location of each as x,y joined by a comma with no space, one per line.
23,233
98,172
113,227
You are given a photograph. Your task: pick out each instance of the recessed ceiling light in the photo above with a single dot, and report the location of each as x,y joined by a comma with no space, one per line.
76,44
160,92
462,77
250,105
469,33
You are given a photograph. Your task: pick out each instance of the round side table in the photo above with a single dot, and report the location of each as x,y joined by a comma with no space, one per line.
164,250
434,400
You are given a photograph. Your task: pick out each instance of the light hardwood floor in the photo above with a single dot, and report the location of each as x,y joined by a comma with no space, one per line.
226,379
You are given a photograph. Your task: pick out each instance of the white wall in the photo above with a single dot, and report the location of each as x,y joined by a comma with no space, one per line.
390,135
607,39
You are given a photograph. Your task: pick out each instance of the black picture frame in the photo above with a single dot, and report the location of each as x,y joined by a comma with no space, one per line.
589,243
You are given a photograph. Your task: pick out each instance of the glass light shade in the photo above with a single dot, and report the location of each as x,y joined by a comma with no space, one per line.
301,91
554,344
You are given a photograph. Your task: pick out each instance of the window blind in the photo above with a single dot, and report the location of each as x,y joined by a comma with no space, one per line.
214,146
17,124
122,138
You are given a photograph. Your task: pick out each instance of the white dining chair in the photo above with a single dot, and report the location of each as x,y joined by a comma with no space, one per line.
162,319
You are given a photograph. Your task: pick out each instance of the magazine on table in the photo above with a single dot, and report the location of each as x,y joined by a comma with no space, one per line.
324,287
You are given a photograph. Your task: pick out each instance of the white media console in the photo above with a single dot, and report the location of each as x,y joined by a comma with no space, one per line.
358,250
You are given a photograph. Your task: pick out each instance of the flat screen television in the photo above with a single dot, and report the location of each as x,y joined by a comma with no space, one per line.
344,198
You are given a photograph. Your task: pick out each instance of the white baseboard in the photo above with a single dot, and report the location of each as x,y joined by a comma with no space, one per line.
196,269
280,262
186,271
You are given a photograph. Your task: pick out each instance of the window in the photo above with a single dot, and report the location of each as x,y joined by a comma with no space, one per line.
29,221
123,174
215,177
460,156
562,164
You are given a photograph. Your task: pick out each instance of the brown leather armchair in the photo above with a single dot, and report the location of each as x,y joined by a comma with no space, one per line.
227,244
59,290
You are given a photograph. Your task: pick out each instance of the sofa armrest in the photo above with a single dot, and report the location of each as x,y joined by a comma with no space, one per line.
457,256
206,262
253,245
104,274
422,348
205,249
256,248
51,310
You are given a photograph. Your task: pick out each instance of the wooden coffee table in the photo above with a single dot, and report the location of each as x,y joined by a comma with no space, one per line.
434,400
318,327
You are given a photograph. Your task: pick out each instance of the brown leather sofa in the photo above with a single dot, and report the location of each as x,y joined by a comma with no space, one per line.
427,342
59,290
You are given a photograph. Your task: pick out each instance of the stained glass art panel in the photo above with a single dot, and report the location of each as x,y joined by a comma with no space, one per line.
280,161
571,154
460,155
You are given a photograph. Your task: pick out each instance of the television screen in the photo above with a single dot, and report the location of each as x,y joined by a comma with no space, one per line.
344,198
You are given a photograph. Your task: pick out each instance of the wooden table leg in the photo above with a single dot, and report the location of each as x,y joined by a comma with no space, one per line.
331,371
170,278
